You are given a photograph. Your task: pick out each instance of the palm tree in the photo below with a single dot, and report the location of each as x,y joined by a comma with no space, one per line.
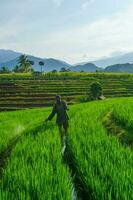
24,64
16,69
31,62
41,63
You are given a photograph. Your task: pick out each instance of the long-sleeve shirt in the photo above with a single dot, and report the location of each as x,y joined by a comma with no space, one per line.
61,110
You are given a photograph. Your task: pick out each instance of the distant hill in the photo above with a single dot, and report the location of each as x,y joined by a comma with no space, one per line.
9,58
127,68
88,67
7,55
121,59
50,63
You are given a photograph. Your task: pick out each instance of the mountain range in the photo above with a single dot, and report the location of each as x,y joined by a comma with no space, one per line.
8,55
10,60
113,60
120,68
87,67
122,63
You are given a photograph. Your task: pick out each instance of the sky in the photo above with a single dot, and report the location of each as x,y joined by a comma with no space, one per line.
70,30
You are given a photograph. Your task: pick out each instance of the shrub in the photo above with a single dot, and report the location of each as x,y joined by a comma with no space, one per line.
95,90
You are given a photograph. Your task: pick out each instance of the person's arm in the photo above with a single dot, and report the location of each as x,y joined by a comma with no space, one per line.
65,105
52,114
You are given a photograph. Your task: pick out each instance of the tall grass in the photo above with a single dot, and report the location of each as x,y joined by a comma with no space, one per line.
35,169
103,164
13,124
123,114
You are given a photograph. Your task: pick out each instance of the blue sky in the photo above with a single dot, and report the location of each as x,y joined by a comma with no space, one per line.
72,30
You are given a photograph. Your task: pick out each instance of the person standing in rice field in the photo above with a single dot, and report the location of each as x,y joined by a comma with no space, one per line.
60,109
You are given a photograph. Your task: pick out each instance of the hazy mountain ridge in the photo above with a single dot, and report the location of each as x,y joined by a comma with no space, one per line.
121,63
121,59
127,67
50,63
88,67
8,55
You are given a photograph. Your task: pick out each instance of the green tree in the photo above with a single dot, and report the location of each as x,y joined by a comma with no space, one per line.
24,65
4,70
54,71
41,63
16,69
31,62
96,90
63,69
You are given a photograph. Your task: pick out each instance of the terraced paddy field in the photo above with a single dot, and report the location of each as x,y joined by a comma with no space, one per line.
97,164
19,91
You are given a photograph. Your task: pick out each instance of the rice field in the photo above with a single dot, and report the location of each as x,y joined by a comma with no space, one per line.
35,169
19,91
104,165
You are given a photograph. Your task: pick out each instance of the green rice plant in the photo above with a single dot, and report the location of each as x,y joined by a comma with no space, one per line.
35,169
123,114
13,124
102,163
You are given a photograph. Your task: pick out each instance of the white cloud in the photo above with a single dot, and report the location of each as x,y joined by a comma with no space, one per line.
58,2
86,4
97,39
